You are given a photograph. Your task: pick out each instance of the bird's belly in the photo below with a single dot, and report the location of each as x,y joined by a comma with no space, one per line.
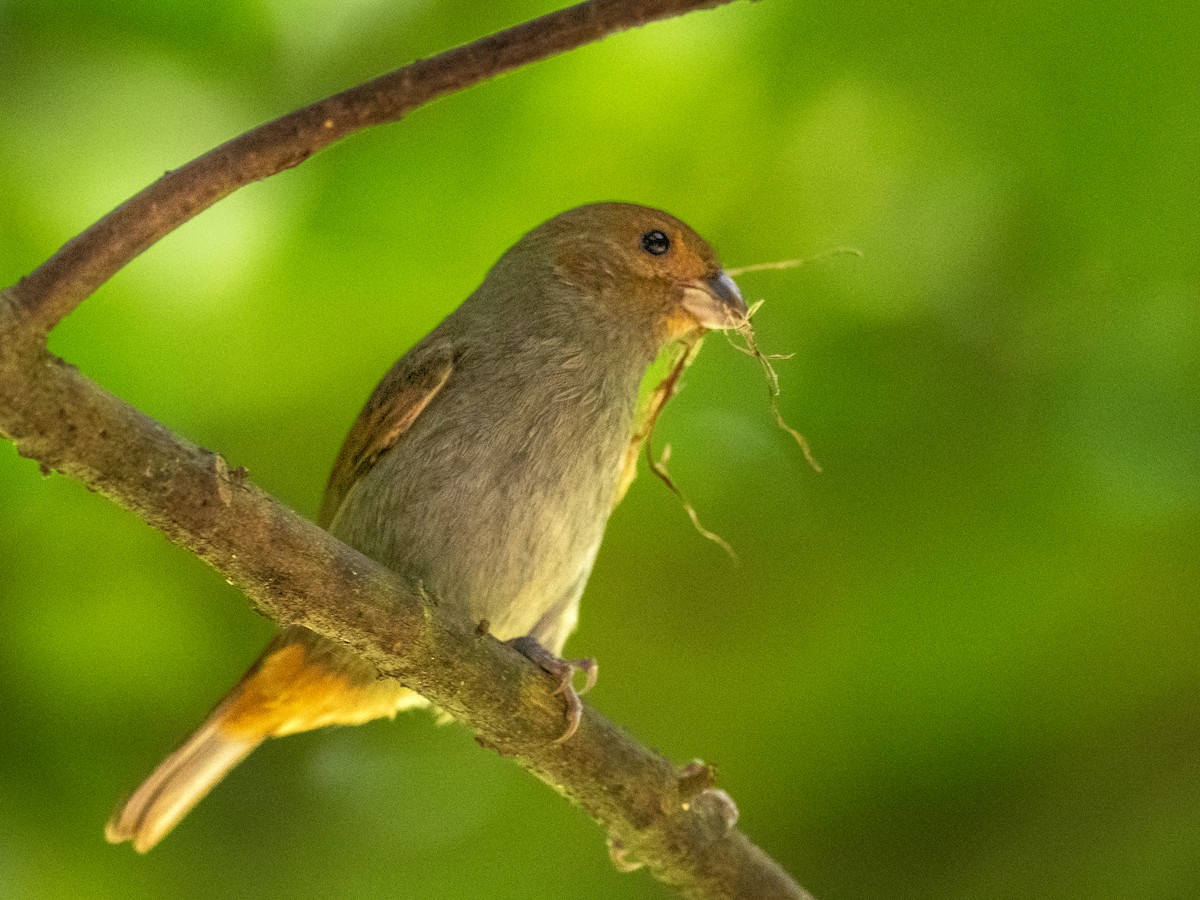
493,529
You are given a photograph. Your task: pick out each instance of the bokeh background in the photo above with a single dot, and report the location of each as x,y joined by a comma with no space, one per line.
961,663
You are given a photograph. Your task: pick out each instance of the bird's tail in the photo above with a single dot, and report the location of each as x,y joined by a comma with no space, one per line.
180,782
300,682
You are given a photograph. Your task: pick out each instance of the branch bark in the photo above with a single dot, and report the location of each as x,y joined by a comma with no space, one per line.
296,573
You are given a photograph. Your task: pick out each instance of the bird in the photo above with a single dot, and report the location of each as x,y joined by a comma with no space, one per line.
484,468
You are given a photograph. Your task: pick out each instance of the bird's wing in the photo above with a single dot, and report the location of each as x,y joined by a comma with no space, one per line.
401,396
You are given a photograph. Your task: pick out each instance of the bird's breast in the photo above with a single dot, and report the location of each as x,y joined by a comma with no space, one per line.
498,496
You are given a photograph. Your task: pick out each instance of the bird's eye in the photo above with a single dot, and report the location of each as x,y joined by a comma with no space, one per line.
656,242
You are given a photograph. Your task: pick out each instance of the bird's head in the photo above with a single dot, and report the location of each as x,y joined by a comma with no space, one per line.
639,269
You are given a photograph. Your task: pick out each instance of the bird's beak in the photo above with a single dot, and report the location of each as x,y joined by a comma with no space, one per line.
715,302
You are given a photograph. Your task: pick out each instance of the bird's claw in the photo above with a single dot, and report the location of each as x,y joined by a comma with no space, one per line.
590,672
574,712
564,670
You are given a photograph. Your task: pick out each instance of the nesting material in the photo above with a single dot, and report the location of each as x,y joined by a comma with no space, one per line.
683,352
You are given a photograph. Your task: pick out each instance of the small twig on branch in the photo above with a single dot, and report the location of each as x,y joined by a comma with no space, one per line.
296,573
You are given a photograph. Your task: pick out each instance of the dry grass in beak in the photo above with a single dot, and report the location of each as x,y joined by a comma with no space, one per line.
666,389
795,263
684,352
746,332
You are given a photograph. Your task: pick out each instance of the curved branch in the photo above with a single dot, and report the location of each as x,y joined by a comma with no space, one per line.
296,573
71,275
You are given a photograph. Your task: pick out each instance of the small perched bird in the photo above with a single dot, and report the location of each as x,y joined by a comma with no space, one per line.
484,467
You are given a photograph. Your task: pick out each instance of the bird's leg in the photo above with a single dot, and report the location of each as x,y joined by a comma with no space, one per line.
564,670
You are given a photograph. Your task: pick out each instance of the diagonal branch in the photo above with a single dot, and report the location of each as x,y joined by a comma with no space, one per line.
80,266
294,572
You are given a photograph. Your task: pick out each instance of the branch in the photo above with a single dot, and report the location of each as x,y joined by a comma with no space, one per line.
296,573
80,266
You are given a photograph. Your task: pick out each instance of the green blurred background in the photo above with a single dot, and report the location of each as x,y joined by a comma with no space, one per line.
961,663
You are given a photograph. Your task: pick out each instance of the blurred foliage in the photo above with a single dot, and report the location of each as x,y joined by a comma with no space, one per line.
961,663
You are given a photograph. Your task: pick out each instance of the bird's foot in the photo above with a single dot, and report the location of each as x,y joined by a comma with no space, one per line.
564,670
